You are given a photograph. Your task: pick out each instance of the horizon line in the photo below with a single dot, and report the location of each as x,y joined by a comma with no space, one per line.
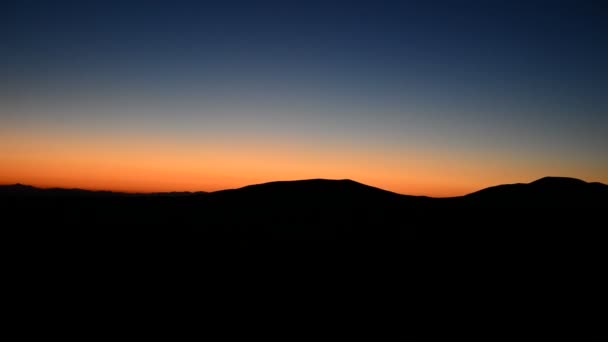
127,192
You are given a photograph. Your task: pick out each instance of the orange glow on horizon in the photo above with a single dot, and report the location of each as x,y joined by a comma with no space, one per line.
147,165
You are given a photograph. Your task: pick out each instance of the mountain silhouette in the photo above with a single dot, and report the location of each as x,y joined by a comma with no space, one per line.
19,189
551,217
544,192
547,192
315,207
312,193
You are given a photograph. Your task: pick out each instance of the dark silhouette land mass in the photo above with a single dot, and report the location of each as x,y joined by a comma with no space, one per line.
560,218
542,193
303,207
306,211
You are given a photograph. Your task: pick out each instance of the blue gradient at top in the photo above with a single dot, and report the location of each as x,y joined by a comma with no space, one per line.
502,75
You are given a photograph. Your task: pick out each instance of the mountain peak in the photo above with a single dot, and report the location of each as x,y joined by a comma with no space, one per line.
23,186
18,186
558,181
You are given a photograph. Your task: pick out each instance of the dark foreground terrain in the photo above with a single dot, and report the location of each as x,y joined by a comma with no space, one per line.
310,213
506,249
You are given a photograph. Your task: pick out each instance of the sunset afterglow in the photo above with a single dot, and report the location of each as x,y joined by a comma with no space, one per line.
438,100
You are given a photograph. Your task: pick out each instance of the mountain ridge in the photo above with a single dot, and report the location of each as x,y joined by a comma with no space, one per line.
304,213
549,182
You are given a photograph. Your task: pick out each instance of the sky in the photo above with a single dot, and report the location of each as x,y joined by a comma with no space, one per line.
437,98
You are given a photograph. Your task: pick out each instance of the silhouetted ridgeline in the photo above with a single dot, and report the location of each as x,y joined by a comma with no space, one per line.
306,203
508,235
548,192
307,208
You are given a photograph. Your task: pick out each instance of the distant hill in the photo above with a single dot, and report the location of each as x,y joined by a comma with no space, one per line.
543,193
18,189
28,190
318,205
312,193
548,216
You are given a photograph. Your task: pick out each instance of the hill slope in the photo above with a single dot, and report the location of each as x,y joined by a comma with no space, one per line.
497,220
547,192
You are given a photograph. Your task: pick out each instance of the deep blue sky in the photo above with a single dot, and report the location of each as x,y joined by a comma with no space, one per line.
521,85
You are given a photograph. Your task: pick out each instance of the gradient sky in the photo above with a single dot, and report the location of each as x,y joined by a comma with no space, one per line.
436,98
